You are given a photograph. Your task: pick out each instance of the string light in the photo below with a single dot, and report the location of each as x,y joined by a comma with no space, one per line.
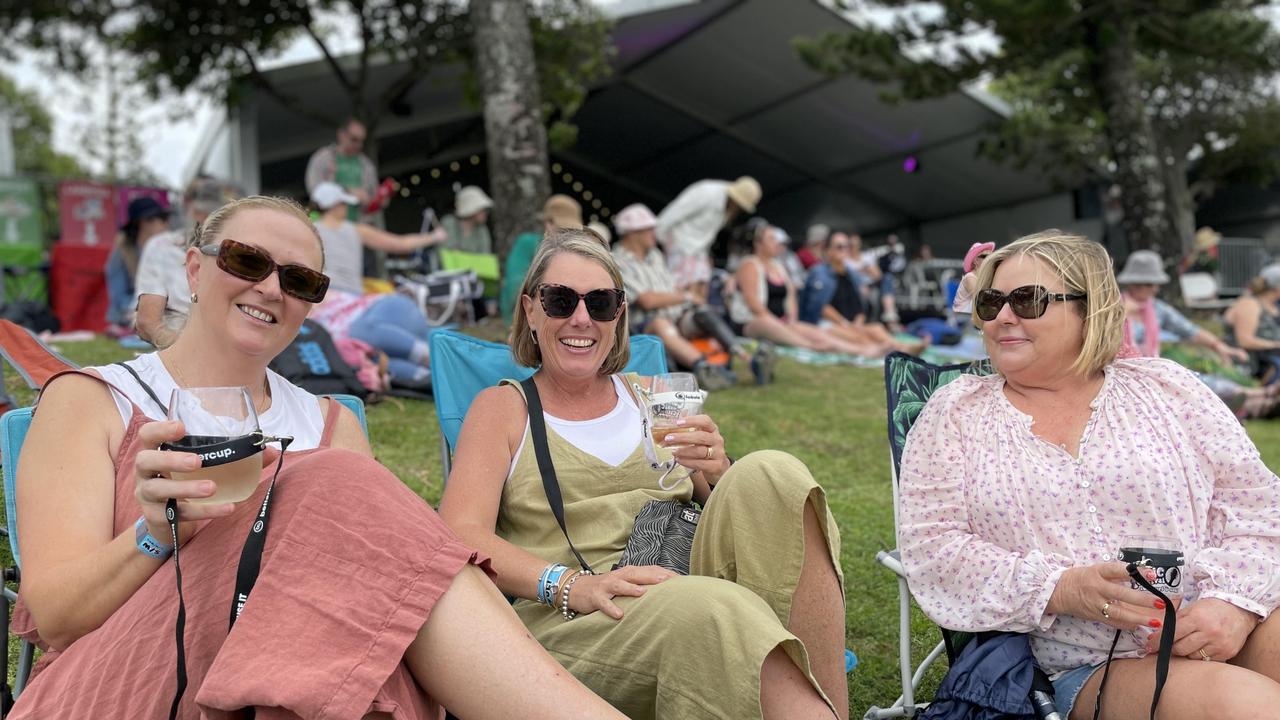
475,159
435,173
586,195
555,168
415,179
455,166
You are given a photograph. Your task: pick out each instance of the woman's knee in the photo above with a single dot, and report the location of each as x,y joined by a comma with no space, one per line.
767,471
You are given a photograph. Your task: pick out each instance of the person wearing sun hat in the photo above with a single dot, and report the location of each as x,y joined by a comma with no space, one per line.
1146,316
655,305
1204,252
963,302
146,219
687,226
560,212
466,227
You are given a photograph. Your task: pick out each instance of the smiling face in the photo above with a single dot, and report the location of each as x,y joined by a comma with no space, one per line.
1031,351
573,348
257,319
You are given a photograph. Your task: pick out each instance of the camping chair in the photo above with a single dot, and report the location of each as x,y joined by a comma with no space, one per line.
909,382
16,346
462,366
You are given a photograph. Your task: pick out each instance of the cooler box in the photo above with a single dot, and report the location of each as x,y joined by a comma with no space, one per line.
79,286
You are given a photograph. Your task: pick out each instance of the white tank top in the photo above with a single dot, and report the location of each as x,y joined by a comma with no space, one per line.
612,437
294,412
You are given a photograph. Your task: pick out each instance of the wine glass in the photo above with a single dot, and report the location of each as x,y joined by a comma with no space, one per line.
222,428
670,397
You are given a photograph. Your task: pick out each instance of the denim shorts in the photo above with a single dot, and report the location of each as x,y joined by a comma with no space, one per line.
1066,687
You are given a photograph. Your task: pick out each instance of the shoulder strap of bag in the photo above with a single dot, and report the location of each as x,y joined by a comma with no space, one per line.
152,393
538,432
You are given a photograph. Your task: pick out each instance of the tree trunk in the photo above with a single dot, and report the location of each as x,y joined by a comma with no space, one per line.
1182,206
1134,149
515,136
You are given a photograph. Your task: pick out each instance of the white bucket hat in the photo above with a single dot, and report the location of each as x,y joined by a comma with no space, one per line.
1144,267
328,194
471,200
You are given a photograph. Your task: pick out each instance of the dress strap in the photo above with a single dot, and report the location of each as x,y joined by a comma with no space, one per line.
330,421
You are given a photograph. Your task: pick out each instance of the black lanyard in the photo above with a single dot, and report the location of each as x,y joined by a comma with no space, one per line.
1162,655
246,572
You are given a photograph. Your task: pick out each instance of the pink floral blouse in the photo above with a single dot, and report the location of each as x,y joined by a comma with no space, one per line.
991,515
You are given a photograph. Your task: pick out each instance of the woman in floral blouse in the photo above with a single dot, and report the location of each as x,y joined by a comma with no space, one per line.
1018,489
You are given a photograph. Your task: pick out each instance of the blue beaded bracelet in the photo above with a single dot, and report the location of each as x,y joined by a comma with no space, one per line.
551,575
147,544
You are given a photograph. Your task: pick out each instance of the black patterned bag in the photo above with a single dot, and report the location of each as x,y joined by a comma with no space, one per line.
663,535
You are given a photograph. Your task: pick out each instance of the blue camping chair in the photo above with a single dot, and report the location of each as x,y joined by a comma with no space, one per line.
462,366
909,382
14,425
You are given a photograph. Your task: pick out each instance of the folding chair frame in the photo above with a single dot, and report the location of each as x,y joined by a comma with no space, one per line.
907,705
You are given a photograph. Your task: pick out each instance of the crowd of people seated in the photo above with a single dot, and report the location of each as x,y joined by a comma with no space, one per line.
1013,502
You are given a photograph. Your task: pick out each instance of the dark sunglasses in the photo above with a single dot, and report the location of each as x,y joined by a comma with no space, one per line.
249,263
1028,302
559,301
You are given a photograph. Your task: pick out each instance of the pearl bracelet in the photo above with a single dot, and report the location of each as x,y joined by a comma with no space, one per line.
564,600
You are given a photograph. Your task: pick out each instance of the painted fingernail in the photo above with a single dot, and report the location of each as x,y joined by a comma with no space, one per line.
1154,623
669,438
1159,604
680,421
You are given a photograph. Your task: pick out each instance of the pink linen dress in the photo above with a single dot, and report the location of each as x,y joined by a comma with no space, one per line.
354,562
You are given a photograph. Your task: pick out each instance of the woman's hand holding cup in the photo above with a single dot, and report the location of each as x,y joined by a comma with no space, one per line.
153,486
1102,593
700,447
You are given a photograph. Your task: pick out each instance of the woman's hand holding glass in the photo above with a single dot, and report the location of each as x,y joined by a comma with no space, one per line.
596,592
701,448
1103,593
153,485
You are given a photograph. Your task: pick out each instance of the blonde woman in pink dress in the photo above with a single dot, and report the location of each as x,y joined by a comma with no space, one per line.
365,606
1018,489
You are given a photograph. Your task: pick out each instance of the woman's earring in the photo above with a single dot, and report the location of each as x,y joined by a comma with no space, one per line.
194,299
533,334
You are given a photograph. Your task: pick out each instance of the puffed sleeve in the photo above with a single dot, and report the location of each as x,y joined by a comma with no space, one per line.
1239,561
962,581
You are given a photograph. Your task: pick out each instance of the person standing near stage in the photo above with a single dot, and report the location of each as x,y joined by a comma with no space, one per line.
345,163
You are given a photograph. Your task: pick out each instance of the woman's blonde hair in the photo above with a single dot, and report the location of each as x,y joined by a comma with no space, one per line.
1085,268
586,244
208,230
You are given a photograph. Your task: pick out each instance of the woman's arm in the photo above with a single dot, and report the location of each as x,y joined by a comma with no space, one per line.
382,240
76,572
789,306
748,279
149,321
348,433
1244,321
833,315
490,435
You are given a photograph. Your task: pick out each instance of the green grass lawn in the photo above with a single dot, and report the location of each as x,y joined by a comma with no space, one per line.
832,418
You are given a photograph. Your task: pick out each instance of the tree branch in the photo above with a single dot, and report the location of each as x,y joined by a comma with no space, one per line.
328,57
288,101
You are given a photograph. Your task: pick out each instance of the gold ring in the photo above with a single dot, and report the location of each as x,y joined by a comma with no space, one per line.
1106,610
711,452
1205,656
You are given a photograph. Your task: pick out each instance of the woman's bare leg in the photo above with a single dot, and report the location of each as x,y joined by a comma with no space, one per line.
771,328
477,659
817,615
1261,652
785,693
1195,690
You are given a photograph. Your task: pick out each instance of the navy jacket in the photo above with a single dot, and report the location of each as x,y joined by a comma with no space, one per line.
991,680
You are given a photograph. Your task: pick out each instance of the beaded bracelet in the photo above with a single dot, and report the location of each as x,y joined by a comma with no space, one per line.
564,599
